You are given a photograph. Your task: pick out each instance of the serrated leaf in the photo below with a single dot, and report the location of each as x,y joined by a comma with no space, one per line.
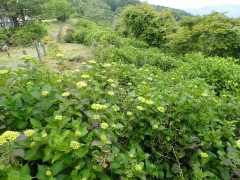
24,170
35,123
56,157
96,143
22,137
119,126
226,161
57,167
47,87
18,152
31,155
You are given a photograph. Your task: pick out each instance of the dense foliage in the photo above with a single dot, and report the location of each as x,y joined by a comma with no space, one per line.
145,23
24,10
24,35
212,34
110,120
59,9
134,112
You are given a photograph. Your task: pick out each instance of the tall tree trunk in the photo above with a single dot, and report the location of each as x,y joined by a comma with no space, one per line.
15,21
22,16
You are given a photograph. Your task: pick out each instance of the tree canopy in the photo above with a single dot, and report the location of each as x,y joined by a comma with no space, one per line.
212,34
145,23
17,10
61,9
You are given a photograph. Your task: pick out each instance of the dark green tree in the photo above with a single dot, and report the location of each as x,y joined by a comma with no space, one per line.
145,23
60,9
21,10
212,34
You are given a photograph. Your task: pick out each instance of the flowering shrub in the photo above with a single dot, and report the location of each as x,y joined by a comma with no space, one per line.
116,121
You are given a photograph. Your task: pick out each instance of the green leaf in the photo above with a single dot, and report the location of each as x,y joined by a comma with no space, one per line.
85,173
36,123
24,170
36,95
115,165
227,161
13,175
41,174
119,171
175,168
18,152
236,171
47,87
119,126
103,176
47,150
16,114
67,159
82,151
57,167
64,135
56,157
83,130
22,124
193,119
52,125
31,155
26,177
63,122
225,173
97,143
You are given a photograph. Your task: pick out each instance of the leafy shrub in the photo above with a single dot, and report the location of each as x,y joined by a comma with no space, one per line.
4,36
112,121
135,43
69,36
103,37
222,74
136,56
52,46
25,35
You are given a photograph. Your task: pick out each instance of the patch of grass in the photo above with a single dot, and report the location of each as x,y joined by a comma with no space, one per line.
68,50
53,26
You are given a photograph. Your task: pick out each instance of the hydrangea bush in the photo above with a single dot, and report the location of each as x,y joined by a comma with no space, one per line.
115,121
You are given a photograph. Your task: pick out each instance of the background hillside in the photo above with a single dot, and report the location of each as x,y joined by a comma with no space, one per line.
232,10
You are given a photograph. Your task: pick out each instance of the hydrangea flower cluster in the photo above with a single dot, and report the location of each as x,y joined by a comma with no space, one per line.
161,109
8,136
27,57
44,93
58,117
238,143
104,125
85,76
204,155
65,94
81,84
3,71
98,106
74,145
138,167
28,132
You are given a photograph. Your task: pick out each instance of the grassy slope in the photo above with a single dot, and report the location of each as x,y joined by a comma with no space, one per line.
68,50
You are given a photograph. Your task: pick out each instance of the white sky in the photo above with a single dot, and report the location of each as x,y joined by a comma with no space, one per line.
190,4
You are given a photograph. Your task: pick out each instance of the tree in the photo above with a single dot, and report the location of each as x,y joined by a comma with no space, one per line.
212,34
17,10
145,23
60,9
